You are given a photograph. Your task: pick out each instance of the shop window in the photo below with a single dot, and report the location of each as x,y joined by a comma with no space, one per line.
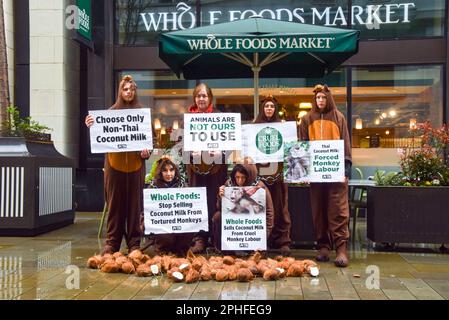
386,103
167,96
397,19
139,23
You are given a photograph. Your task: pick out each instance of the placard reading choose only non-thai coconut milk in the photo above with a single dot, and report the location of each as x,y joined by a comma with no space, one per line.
121,130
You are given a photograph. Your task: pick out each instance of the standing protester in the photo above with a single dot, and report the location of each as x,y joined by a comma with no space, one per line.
242,175
124,176
210,173
329,201
167,176
272,175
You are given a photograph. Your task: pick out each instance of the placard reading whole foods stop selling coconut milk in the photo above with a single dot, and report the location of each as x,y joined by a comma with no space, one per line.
175,210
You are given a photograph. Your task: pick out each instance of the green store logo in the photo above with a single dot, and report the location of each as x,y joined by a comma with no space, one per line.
269,140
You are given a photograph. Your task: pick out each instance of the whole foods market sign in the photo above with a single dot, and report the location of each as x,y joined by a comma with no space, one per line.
84,16
370,15
212,43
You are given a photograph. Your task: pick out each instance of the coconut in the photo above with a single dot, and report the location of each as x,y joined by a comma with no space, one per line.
143,270
221,275
228,260
192,276
271,274
128,267
94,262
136,254
110,267
244,275
118,254
295,270
206,274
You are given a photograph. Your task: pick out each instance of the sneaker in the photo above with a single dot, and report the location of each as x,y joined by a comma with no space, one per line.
285,250
199,246
342,259
323,255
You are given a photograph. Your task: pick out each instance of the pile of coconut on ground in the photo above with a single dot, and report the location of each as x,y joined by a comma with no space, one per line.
198,268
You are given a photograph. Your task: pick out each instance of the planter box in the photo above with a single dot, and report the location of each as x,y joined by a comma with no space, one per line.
408,214
37,188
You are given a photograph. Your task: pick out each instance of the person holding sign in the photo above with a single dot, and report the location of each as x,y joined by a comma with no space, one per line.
167,175
272,175
242,175
206,169
329,201
124,176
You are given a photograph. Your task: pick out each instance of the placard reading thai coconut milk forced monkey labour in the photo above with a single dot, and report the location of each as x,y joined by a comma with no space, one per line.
121,130
212,132
243,219
175,210
314,161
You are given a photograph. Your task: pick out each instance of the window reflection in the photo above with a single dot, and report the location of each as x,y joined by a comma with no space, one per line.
388,101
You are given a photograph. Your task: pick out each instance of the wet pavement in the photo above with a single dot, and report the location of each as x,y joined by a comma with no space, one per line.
49,266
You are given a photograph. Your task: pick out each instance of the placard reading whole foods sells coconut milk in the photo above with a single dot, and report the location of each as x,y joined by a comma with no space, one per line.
243,219
175,210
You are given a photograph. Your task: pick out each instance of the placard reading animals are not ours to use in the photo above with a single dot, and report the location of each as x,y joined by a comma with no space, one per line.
175,210
121,130
212,132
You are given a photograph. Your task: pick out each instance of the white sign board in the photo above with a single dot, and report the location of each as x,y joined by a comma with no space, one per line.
175,210
243,219
264,142
314,161
212,131
121,130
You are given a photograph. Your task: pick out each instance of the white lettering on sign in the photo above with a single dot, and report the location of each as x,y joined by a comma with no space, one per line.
371,16
213,43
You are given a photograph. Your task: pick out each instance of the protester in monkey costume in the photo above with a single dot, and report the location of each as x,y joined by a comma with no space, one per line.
124,178
329,201
243,175
210,173
272,175
167,176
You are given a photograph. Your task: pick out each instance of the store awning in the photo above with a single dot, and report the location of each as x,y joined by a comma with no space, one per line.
257,47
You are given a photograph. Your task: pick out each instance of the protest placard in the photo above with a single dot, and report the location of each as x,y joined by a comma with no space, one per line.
121,130
211,132
314,161
175,210
243,219
264,142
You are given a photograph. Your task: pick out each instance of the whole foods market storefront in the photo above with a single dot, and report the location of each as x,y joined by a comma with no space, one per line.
397,79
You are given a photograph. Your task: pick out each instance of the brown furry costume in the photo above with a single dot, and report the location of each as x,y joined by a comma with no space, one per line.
329,201
251,180
177,243
280,236
124,177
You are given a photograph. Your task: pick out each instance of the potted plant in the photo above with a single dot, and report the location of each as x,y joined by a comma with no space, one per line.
31,130
411,206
